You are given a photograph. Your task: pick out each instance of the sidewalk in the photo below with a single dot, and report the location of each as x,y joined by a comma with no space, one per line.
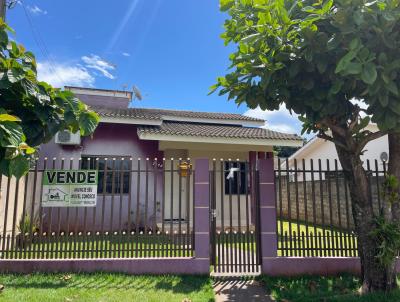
240,290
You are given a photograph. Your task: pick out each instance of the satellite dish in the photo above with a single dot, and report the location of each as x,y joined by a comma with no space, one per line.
384,157
137,94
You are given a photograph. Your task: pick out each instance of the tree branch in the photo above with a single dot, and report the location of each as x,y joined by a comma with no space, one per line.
371,136
334,127
324,136
354,119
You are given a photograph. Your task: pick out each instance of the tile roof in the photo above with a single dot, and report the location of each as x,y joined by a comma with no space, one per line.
215,131
135,113
160,114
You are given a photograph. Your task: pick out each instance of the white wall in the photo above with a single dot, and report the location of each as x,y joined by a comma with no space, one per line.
325,150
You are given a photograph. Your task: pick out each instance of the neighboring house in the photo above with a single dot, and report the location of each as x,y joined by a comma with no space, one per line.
125,133
375,152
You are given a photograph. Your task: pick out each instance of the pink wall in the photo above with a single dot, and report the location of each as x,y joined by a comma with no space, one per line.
108,140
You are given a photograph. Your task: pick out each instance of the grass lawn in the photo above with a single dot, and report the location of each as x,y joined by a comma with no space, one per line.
110,246
304,241
327,289
101,287
318,241
310,241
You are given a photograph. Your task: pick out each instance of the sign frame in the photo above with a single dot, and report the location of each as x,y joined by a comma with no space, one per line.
69,188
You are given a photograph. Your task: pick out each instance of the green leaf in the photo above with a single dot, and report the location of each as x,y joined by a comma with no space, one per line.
30,150
355,43
13,134
337,85
322,65
226,4
369,74
358,17
392,87
353,68
9,118
382,58
308,9
363,54
88,122
19,166
5,167
15,74
343,62
333,42
384,100
395,107
390,120
389,16
3,38
308,55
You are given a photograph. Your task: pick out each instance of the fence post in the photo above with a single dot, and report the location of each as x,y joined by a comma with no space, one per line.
202,213
267,210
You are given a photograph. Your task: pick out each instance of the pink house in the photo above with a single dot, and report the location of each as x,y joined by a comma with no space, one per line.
129,140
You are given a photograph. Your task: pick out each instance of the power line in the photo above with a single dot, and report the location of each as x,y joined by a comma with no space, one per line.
40,43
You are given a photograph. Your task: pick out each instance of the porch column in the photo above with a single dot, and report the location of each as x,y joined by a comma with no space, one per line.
202,214
267,209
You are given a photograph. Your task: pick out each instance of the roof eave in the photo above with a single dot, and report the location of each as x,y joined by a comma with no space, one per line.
238,122
221,140
129,121
159,121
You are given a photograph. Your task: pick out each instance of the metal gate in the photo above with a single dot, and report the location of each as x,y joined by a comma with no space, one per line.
235,236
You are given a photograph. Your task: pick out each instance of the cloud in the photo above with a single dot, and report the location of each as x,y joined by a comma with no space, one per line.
60,75
97,63
266,114
281,128
279,120
35,10
82,73
126,54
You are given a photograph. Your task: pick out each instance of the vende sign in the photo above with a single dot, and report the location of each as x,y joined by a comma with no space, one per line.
69,188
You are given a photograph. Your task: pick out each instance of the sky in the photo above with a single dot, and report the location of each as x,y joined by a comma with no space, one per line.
170,49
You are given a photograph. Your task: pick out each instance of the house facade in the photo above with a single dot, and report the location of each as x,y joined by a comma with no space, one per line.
324,156
145,158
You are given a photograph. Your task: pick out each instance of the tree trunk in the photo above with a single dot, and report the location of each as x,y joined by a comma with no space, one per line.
375,276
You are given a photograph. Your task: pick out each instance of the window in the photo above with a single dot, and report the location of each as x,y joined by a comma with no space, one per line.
235,178
121,170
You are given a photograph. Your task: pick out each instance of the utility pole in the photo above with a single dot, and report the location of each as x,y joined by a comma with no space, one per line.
3,9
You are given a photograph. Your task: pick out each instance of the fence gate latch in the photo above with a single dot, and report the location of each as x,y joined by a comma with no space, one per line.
213,213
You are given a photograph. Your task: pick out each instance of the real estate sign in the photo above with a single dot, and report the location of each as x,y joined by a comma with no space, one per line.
69,188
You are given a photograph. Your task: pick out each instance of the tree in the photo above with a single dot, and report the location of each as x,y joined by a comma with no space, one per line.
32,112
317,57
285,152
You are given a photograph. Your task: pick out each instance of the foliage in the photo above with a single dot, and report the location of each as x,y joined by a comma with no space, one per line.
31,112
316,57
285,152
387,236
27,225
390,189
320,288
